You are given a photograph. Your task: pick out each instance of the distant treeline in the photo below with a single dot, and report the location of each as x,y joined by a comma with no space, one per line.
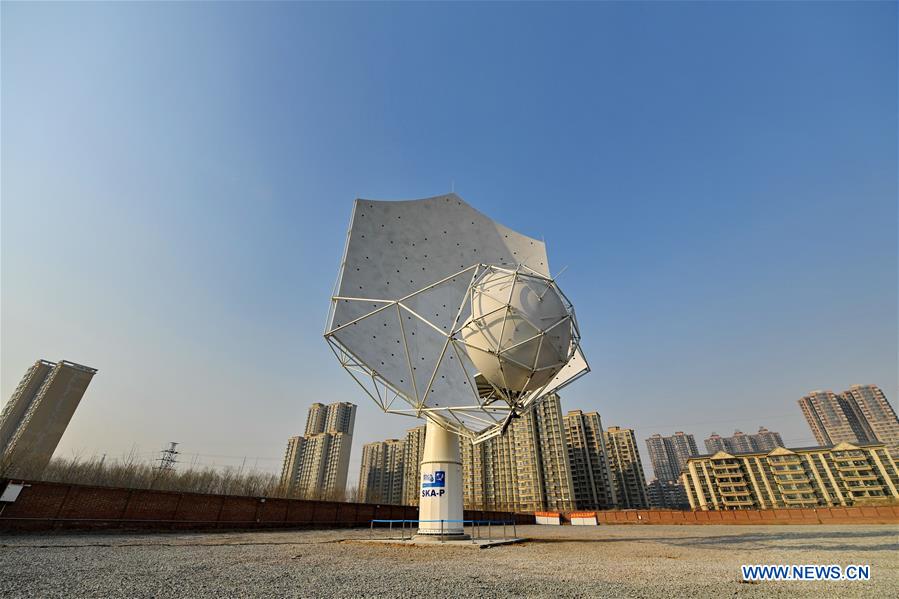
132,473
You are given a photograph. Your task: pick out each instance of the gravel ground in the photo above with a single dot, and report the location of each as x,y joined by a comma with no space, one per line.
615,561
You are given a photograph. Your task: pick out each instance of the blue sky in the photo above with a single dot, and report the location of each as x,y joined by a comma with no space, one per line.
720,180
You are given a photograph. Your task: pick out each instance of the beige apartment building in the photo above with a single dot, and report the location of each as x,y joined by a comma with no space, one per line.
590,474
843,475
38,413
626,469
861,414
668,456
382,471
833,419
740,442
337,417
315,419
524,470
315,465
877,414
544,462
293,458
413,451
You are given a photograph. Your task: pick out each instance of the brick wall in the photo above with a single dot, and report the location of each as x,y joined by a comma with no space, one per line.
821,515
49,506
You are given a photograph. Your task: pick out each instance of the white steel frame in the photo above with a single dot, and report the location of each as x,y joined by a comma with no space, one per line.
498,407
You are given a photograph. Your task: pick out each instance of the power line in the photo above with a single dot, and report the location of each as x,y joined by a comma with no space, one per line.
234,457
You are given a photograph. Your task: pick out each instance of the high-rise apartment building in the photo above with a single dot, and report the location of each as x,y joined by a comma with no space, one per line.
715,442
382,471
877,415
833,419
590,474
526,469
553,486
341,418
36,416
337,417
293,459
627,471
764,440
315,465
547,461
741,442
315,419
842,475
669,454
667,494
413,452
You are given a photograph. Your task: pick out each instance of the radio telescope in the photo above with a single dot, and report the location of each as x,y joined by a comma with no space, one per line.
441,313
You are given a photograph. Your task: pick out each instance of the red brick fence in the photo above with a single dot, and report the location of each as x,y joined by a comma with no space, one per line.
821,515
50,506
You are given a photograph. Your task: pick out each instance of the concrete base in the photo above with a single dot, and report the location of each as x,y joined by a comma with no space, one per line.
428,541
440,507
421,537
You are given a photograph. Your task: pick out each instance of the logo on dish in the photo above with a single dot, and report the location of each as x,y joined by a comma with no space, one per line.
437,479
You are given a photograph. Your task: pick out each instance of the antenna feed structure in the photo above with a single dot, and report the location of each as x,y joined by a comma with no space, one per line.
519,331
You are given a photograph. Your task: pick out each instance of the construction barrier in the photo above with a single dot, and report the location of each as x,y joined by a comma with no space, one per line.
548,518
583,518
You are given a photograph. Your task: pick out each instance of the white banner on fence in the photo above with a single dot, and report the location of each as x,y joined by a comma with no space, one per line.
548,518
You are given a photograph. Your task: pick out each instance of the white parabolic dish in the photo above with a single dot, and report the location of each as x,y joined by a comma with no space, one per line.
441,312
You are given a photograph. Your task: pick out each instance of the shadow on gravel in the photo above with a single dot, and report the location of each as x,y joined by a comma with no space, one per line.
783,540
830,541
582,540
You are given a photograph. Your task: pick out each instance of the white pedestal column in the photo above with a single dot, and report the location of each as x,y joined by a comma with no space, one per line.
440,497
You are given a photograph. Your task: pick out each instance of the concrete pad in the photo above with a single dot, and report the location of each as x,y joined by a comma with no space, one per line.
417,541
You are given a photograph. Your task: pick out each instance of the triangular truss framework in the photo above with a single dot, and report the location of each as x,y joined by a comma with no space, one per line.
491,408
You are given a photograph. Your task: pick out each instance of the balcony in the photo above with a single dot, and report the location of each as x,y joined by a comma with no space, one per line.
778,468
859,476
738,502
863,485
866,491
864,466
853,462
792,478
802,489
732,481
733,493
724,470
732,471
844,456
800,500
